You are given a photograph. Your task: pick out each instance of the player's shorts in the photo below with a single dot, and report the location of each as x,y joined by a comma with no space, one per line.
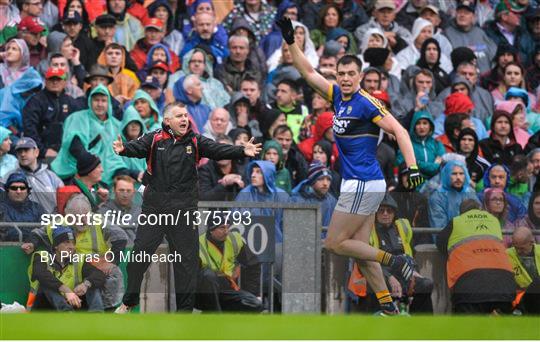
359,197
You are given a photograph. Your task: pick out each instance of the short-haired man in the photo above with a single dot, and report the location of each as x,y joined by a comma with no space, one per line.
498,177
46,111
128,28
220,180
507,28
384,15
462,31
17,207
287,101
154,32
525,258
534,160
59,61
123,203
205,33
482,99
44,182
188,90
395,235
221,253
219,123
361,173
479,273
33,31
125,82
163,174
237,66
72,25
251,88
105,26
61,283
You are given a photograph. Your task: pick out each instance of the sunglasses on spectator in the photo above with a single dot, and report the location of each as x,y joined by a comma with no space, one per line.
386,209
15,188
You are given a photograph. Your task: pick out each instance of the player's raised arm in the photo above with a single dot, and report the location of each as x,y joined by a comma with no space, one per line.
315,80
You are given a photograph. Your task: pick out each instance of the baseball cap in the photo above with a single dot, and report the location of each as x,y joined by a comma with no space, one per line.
105,20
432,8
72,17
151,81
509,5
153,22
160,65
31,24
55,72
25,142
467,4
380,4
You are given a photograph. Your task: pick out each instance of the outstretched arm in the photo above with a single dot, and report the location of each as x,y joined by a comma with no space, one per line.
315,80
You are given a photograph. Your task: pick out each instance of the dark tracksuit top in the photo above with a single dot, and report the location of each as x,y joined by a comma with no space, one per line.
172,185
171,178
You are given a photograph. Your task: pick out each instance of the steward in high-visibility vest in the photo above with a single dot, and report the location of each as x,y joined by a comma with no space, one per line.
478,269
525,259
521,274
63,280
90,240
93,241
394,236
357,282
221,253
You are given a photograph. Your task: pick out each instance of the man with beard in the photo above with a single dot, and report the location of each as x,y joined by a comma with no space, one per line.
445,201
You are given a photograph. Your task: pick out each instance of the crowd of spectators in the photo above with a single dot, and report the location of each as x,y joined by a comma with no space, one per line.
463,76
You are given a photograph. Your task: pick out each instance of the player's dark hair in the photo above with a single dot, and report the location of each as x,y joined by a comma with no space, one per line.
349,59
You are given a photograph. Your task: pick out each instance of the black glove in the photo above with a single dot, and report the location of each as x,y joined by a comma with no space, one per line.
287,30
414,177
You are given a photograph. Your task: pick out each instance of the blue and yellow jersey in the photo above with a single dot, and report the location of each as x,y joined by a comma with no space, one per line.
356,133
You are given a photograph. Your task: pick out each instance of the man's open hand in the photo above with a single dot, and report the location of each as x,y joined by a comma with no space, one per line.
251,149
118,145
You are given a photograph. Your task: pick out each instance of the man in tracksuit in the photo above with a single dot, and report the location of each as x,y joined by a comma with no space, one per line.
171,181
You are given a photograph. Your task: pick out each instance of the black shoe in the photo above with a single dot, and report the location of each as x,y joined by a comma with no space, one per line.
404,265
388,309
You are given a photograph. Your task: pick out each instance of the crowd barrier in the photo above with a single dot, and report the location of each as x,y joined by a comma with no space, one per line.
312,279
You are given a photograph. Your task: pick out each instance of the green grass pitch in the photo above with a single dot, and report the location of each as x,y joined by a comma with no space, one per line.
237,327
